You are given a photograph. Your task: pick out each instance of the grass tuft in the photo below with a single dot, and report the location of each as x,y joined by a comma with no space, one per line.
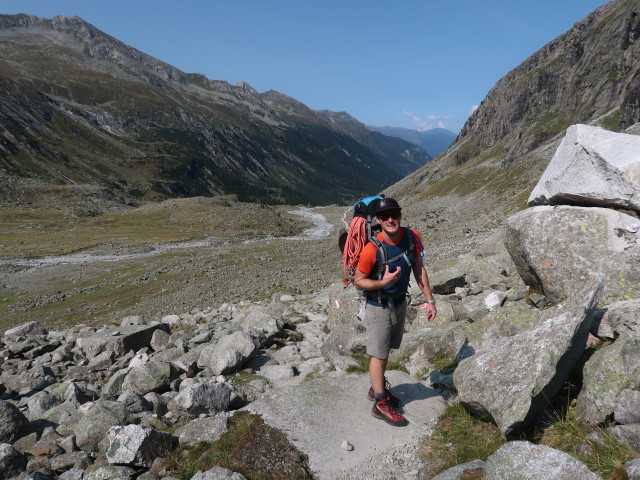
594,446
363,359
249,447
459,438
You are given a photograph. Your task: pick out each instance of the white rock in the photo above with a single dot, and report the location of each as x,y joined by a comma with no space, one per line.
346,446
592,166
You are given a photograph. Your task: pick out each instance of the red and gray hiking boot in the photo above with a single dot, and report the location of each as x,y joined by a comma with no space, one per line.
382,409
393,400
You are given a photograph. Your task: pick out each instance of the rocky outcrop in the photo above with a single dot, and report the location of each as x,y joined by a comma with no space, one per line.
592,166
613,372
512,383
558,250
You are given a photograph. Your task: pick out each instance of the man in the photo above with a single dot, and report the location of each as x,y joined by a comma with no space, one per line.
386,307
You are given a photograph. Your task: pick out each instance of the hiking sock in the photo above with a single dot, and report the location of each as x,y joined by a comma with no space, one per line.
379,396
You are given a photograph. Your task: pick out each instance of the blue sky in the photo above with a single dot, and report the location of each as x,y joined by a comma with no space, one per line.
410,63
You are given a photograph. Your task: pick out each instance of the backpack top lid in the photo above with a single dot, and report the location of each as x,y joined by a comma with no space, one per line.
366,208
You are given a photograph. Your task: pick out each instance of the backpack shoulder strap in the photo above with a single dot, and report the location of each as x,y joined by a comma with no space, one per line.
384,257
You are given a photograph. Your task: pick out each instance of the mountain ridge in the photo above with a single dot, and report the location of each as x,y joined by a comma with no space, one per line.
81,107
433,141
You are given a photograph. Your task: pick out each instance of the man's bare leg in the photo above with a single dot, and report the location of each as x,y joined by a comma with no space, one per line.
377,367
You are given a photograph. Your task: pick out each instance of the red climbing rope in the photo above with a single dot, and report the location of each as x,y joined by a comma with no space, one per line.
356,240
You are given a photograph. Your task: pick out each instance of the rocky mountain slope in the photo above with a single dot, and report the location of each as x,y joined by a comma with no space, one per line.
589,75
433,141
79,107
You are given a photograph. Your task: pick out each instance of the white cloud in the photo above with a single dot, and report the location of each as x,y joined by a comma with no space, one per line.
473,109
427,123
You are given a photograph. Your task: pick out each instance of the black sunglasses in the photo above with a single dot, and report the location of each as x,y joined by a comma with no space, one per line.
386,216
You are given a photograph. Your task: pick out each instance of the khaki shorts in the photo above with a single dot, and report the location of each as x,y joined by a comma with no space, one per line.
381,335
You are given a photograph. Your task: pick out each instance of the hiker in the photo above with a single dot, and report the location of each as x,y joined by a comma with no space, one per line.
386,306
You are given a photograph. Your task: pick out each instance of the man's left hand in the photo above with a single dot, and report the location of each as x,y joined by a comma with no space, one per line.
430,309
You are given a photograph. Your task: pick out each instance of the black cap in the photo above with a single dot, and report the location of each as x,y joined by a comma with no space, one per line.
385,204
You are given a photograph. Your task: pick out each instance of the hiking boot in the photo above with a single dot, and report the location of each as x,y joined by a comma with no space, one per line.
383,410
393,400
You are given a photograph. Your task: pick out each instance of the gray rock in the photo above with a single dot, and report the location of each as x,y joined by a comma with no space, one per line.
539,301
559,250
627,407
132,320
113,388
592,166
48,443
158,402
29,382
445,282
111,472
159,339
628,434
606,374
257,318
231,352
207,429
13,424
70,461
275,373
490,331
41,402
208,398
442,381
118,340
342,363
12,462
526,461
98,418
345,340
514,381
28,329
65,414
456,473
149,377
135,403
101,362
135,445
620,318
218,473
72,474
632,468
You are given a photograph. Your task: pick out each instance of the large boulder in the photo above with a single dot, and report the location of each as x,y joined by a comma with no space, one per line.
98,418
345,340
137,446
13,424
12,462
620,318
606,375
513,382
592,166
201,398
527,461
207,429
149,377
559,250
119,340
231,352
28,329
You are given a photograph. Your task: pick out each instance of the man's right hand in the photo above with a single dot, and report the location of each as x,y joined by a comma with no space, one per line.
389,278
